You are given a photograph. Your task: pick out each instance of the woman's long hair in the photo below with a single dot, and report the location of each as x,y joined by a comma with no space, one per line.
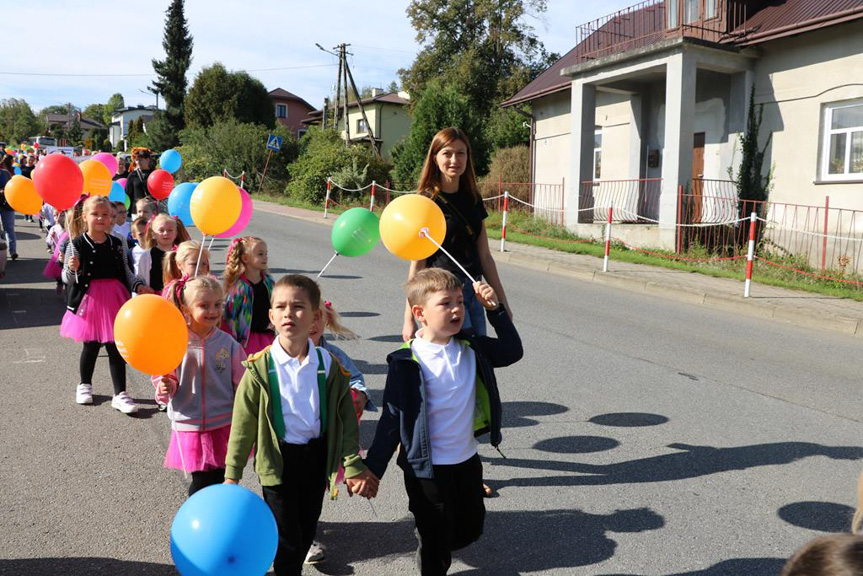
430,181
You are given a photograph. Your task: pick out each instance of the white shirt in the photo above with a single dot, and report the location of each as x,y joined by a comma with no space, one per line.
298,384
122,230
449,372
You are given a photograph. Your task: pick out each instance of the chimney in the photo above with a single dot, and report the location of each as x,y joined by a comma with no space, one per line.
376,91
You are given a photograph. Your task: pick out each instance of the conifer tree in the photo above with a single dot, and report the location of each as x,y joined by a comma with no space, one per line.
171,82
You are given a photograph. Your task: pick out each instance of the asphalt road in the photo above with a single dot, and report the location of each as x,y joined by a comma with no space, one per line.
643,436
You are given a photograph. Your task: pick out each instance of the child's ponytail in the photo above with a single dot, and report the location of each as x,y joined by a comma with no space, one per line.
234,263
333,322
170,270
75,219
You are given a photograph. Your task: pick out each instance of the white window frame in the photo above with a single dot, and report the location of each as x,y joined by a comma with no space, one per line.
362,127
597,177
687,6
711,9
285,106
672,14
825,145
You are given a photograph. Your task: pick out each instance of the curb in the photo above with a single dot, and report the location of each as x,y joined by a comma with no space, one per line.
842,325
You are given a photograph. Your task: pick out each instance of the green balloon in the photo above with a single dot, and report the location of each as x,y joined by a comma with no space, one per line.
356,232
127,201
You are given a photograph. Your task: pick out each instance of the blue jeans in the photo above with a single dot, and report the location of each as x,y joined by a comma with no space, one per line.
474,313
8,219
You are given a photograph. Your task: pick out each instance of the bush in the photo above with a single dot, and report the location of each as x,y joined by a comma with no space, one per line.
106,145
508,165
323,155
236,148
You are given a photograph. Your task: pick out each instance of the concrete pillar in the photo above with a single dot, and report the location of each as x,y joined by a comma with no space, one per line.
636,137
581,161
741,89
679,129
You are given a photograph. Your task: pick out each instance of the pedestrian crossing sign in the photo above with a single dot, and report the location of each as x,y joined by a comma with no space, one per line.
274,142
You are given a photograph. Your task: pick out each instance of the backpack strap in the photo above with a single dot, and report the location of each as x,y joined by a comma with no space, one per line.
275,398
322,391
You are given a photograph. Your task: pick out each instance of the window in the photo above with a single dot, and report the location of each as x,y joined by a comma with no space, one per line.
597,154
843,142
281,111
361,126
710,9
671,13
690,11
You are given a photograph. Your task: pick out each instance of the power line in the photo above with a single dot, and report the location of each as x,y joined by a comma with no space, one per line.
152,73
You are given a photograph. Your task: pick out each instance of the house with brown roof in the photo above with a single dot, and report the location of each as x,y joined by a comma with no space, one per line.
387,117
290,110
650,104
64,121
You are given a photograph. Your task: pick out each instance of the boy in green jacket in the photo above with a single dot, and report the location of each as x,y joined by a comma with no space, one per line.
294,405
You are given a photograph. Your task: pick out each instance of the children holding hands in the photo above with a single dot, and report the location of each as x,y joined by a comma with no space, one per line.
294,406
440,393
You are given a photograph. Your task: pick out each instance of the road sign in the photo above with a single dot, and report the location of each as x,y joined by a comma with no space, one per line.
274,142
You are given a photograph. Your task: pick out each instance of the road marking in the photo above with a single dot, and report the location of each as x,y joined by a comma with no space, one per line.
32,356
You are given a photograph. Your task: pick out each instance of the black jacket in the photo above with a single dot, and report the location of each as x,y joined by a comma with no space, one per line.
404,418
136,187
79,283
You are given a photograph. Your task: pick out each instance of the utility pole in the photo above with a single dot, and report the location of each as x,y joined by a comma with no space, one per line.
343,66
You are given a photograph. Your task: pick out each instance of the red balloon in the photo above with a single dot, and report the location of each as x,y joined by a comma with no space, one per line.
160,183
58,181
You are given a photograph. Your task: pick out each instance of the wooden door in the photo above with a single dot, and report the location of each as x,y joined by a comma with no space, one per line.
697,186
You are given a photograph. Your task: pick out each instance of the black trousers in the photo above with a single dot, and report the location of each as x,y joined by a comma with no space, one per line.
449,512
89,355
201,480
297,501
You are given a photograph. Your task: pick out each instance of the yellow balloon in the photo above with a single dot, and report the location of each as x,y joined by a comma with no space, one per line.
97,178
21,195
151,334
215,205
403,223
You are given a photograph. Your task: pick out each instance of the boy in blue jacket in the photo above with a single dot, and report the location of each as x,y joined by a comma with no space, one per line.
440,394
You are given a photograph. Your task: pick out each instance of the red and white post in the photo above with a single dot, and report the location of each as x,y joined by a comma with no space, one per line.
607,239
503,221
327,200
750,256
372,203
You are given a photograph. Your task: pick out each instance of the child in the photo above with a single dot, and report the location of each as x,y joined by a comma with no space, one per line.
121,224
181,263
56,236
434,384
201,390
249,288
99,284
293,405
135,241
146,209
162,234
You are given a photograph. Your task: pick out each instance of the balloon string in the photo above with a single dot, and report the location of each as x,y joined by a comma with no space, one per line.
201,251
210,247
327,266
425,234
180,451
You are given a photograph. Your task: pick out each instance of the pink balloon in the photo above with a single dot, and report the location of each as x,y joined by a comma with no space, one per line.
243,220
122,182
109,160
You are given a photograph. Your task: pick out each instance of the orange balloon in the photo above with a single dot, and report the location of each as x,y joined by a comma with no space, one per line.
215,205
21,195
151,334
97,178
404,219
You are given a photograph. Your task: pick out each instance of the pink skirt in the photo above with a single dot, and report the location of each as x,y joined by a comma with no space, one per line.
94,321
258,341
196,451
53,270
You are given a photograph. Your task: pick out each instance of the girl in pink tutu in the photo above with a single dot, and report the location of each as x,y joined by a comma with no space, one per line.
54,268
99,282
248,286
200,393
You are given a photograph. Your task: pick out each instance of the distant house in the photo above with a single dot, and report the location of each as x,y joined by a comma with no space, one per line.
652,100
290,110
64,121
122,117
387,116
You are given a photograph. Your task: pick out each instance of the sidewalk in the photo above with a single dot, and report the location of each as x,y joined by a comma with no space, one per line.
796,307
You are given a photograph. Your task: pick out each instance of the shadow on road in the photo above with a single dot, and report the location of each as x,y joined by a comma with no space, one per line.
518,414
689,462
819,516
736,567
629,419
514,542
106,566
30,307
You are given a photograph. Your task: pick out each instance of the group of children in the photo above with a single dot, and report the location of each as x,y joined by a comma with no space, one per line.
259,374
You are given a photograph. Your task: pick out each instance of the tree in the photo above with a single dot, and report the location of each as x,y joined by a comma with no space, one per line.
171,82
67,108
483,47
17,121
115,102
75,133
507,128
160,132
438,108
218,95
95,112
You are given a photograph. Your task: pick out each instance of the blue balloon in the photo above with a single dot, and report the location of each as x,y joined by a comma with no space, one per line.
170,160
17,170
180,202
117,193
223,529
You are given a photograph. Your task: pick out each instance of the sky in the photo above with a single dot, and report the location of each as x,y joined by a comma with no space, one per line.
85,51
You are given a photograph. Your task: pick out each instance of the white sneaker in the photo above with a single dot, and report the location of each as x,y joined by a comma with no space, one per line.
124,403
84,394
316,553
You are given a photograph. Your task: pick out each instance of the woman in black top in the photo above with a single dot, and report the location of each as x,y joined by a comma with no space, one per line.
136,183
447,178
